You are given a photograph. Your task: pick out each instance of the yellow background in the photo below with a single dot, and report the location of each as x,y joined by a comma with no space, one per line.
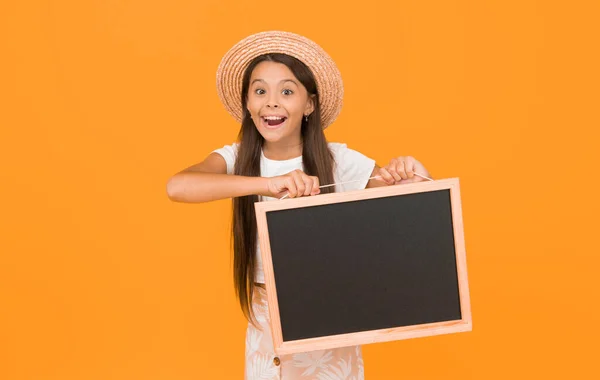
102,277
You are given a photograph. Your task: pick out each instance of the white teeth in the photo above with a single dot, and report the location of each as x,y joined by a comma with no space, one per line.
273,118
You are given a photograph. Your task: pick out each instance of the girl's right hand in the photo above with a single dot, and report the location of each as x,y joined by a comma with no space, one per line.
296,183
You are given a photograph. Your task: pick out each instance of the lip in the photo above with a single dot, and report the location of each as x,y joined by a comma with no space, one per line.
272,127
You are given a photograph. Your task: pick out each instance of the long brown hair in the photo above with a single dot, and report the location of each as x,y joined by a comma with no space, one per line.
316,158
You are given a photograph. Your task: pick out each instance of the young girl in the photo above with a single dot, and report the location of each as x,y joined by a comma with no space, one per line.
284,90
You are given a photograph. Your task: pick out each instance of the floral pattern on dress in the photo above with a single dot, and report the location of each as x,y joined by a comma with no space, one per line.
344,363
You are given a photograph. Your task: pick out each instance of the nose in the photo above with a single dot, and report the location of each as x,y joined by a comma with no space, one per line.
273,102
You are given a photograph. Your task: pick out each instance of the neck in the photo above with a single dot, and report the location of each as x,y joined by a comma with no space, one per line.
282,152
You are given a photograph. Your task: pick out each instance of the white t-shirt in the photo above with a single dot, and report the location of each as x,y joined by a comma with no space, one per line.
349,165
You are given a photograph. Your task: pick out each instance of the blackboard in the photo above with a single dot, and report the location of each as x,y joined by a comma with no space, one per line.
365,266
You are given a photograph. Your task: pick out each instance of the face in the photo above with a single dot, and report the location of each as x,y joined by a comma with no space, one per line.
277,102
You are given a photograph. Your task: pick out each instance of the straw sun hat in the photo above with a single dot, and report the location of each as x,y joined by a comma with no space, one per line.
236,60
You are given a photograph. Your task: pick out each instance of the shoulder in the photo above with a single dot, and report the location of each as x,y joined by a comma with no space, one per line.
343,154
231,148
336,147
350,165
229,153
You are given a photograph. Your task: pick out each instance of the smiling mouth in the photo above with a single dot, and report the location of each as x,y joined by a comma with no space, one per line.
274,121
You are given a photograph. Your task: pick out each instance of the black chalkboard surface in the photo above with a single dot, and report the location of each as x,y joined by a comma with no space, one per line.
365,266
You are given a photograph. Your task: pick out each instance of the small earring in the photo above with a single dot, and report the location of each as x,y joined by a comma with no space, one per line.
306,117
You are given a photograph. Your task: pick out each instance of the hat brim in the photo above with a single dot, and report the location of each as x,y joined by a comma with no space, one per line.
233,64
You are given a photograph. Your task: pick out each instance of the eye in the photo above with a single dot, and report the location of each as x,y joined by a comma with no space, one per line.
287,92
259,91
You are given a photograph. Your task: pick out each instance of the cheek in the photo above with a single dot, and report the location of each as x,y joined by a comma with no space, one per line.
295,108
253,101
253,108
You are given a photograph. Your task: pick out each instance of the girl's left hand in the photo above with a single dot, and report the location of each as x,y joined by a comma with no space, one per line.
402,170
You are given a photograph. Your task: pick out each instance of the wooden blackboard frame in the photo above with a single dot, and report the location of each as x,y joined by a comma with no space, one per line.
374,336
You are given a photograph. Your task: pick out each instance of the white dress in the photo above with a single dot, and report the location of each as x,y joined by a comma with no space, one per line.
261,360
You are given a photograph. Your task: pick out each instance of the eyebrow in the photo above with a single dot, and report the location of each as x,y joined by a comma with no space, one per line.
281,81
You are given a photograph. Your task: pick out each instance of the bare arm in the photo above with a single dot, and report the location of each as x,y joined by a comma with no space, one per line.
209,181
